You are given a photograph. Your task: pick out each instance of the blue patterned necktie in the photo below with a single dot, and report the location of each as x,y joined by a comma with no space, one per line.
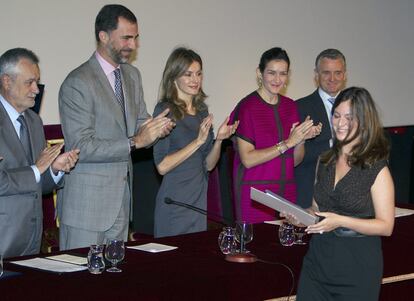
331,100
119,93
25,138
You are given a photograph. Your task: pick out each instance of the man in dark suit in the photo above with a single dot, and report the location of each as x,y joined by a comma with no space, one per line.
330,75
28,167
103,113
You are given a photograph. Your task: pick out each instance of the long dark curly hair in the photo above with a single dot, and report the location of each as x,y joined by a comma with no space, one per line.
372,144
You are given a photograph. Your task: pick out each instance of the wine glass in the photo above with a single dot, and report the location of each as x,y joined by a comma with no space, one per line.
1,264
244,235
114,253
299,233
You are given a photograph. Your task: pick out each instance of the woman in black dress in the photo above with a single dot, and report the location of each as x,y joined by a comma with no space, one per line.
354,194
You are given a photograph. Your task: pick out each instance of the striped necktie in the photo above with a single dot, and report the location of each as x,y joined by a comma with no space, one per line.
25,138
119,93
331,100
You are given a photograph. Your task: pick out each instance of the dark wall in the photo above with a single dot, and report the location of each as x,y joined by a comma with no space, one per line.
401,162
146,184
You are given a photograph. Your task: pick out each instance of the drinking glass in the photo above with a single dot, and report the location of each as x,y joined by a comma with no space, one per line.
96,263
299,232
286,234
1,264
114,253
226,240
244,235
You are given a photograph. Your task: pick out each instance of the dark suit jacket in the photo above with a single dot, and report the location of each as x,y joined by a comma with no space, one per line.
20,195
311,105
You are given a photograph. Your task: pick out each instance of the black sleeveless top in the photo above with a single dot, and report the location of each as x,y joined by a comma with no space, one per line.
352,194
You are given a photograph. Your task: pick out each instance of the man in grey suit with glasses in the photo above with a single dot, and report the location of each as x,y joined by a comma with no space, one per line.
103,113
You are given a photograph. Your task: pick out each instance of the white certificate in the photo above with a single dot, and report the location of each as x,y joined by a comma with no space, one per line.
280,204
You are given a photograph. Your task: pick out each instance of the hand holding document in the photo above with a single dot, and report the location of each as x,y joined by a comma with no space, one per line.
280,204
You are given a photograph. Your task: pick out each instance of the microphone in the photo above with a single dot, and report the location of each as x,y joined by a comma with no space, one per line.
221,220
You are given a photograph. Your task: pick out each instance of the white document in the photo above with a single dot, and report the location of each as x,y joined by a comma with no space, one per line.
403,212
50,265
153,247
69,259
278,222
280,204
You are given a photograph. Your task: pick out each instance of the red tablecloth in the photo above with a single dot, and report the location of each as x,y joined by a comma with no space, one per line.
197,271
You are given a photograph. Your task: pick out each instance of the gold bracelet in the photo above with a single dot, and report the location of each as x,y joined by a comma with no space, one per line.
281,147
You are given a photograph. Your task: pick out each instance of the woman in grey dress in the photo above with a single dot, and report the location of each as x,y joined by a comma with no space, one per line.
185,156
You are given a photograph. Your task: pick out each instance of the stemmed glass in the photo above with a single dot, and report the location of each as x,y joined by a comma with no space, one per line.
299,233
114,253
1,265
244,235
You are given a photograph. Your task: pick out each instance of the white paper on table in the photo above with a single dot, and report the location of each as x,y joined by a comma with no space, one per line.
50,265
403,212
276,222
69,259
153,247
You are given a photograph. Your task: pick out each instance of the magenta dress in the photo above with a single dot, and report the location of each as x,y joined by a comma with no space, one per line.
263,125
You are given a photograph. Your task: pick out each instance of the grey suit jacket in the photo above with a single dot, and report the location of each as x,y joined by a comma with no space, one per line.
313,106
20,195
92,121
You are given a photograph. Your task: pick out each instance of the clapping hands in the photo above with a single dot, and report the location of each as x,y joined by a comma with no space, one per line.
226,130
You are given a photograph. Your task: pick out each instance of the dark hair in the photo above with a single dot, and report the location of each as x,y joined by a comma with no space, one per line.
330,53
177,64
275,53
10,59
107,18
372,145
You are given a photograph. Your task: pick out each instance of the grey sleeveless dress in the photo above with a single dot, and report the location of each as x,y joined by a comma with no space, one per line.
185,183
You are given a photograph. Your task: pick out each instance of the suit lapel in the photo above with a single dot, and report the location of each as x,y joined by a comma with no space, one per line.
129,96
107,91
320,111
10,136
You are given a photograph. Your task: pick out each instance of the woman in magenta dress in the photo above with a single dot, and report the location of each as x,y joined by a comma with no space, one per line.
269,139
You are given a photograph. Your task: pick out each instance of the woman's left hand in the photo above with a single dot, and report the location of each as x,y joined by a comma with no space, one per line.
330,222
226,130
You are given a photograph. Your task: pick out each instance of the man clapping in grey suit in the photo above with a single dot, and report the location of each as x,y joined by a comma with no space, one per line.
103,113
28,167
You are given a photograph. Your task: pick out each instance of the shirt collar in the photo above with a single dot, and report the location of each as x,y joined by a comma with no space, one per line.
105,65
325,96
13,114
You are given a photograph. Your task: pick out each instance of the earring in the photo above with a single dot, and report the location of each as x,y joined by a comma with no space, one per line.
259,82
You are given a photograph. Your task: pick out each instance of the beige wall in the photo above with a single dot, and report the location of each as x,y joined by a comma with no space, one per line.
376,36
